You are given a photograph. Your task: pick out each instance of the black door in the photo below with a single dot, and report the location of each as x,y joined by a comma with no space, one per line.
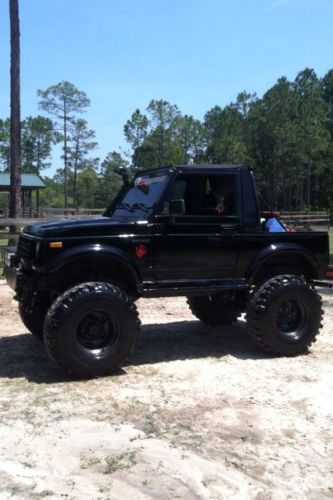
198,243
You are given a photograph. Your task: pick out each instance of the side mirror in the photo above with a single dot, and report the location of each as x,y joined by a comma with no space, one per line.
176,207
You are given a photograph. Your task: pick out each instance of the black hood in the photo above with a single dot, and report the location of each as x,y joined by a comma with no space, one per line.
82,227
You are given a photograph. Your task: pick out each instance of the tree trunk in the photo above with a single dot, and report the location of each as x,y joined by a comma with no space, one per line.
15,112
38,161
273,186
284,188
308,190
76,160
65,159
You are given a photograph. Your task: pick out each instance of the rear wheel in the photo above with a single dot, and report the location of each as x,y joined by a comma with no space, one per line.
284,315
91,329
218,309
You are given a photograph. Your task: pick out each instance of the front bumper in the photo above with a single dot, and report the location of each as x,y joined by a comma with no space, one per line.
18,280
10,274
8,264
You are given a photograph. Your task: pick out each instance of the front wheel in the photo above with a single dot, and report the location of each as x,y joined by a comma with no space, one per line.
284,315
91,329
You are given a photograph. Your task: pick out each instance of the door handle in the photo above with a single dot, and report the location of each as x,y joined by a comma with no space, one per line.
228,228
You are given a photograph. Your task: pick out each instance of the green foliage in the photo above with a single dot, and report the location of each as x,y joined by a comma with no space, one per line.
136,129
122,461
81,140
225,128
288,142
37,139
191,137
87,183
63,101
163,116
53,195
153,138
95,187
109,182
286,136
4,144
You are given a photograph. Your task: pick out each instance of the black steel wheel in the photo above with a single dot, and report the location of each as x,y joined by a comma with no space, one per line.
218,309
33,316
98,331
91,329
284,315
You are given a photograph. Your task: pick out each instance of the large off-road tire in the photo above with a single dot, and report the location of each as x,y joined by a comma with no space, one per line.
284,315
33,318
218,309
91,329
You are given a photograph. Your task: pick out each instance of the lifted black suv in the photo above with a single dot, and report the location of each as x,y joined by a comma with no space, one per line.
185,230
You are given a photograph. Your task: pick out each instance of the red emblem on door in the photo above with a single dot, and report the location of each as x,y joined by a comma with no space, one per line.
141,251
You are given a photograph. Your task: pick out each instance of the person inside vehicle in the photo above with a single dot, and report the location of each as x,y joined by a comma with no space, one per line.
220,199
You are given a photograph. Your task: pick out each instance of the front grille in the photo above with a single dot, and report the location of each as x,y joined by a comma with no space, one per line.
26,247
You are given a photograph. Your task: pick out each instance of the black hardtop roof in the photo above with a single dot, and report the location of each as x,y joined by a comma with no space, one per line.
203,166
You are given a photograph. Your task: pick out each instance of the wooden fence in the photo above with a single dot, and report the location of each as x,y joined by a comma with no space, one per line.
306,220
51,213
46,214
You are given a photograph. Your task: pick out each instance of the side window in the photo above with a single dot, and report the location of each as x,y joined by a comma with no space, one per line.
191,189
220,195
205,194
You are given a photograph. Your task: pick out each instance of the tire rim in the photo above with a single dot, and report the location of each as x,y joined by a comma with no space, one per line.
98,331
292,317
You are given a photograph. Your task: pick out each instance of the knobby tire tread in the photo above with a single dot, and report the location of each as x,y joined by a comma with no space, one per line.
53,316
261,298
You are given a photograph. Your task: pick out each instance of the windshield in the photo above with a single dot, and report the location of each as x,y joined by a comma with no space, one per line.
142,196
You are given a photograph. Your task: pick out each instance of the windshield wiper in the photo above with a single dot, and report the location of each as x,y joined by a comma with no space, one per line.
126,206
141,206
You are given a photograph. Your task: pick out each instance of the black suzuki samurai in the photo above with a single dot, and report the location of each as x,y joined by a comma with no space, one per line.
168,232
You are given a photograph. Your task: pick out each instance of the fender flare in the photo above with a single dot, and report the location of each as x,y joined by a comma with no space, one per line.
92,251
276,250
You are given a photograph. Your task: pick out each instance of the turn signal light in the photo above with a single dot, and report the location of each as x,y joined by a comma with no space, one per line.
56,244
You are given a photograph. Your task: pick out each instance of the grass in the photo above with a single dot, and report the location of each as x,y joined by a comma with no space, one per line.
120,462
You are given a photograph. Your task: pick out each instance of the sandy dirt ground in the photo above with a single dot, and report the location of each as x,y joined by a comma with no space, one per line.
198,413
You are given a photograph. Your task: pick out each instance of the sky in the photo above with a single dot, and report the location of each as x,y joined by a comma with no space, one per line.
193,53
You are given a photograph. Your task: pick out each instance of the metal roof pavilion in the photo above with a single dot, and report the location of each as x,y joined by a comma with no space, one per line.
28,181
